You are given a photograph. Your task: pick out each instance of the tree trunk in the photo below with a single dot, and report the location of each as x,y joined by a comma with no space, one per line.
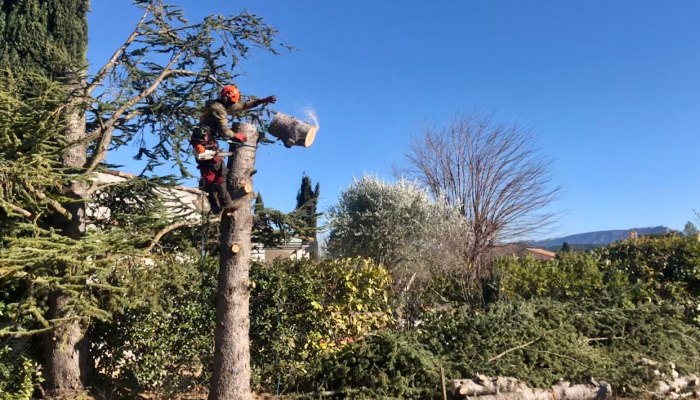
231,377
68,365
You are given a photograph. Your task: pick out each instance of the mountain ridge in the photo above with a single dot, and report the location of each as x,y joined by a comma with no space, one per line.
600,238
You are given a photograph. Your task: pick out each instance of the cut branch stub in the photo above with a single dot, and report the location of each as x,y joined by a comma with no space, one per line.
291,131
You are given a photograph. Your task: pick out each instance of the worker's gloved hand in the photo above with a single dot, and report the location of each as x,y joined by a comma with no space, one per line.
240,137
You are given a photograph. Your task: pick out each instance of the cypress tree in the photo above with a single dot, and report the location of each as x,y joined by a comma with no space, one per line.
307,202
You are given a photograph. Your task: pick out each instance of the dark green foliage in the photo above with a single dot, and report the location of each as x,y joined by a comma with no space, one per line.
541,342
386,365
44,36
565,247
307,201
552,347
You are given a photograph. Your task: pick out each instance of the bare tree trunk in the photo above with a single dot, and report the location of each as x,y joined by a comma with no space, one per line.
67,365
231,378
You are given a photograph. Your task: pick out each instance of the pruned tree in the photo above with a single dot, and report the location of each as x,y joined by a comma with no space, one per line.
149,93
493,172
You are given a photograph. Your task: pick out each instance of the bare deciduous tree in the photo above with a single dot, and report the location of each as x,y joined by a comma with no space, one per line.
493,172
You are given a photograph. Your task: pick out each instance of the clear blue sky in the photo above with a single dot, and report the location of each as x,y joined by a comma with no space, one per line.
613,87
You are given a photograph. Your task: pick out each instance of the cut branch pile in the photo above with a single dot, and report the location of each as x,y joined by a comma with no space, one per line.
505,388
671,385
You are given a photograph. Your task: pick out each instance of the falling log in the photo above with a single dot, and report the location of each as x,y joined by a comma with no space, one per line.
291,131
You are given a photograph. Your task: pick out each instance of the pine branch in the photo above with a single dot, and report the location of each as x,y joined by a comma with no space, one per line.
522,346
171,228
56,206
17,209
101,149
112,63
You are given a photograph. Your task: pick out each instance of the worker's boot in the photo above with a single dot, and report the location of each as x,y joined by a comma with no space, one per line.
214,205
224,198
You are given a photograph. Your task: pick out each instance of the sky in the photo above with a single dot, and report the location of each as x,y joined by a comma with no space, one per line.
611,87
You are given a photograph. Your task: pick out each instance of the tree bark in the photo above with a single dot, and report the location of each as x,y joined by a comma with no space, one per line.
67,363
231,377
68,366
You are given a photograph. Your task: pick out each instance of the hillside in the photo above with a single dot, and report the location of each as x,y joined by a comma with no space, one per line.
599,238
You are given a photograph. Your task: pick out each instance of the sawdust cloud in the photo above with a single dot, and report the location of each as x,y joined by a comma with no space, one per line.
311,114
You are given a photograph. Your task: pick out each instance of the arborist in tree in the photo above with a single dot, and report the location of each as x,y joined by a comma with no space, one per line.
213,125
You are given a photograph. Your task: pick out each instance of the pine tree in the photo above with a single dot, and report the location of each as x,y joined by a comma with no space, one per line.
153,85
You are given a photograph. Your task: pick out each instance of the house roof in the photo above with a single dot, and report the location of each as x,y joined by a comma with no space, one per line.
543,252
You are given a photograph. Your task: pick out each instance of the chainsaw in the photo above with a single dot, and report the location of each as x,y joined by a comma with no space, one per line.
209,154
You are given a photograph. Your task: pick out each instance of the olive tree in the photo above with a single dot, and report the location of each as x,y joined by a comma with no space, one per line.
399,225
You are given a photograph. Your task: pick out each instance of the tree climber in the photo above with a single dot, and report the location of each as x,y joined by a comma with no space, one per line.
213,125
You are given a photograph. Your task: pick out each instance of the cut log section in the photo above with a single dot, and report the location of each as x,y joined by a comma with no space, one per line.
243,190
291,131
506,388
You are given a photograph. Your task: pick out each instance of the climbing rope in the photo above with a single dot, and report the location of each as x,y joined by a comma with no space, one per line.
241,144
203,241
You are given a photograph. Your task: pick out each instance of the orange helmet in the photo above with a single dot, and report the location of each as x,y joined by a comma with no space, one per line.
230,93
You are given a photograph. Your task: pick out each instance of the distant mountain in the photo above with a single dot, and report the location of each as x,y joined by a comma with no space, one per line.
599,238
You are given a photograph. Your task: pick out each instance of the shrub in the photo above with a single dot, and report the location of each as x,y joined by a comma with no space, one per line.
385,365
303,309
165,345
18,372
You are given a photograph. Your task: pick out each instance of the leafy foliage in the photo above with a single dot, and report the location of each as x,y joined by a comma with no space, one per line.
397,224
164,345
302,309
572,276
18,372
645,270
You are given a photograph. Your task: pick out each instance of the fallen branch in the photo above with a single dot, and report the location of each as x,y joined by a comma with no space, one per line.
522,346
